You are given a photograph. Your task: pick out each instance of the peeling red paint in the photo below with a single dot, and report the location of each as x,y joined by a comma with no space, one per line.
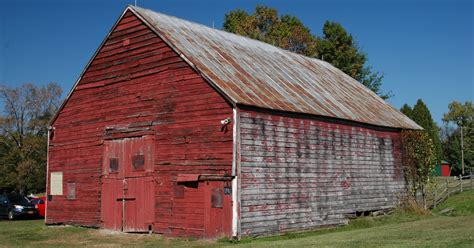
300,172
137,86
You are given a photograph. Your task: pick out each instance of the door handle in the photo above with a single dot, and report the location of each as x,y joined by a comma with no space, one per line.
126,199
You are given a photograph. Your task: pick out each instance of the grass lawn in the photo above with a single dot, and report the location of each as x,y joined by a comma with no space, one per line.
401,229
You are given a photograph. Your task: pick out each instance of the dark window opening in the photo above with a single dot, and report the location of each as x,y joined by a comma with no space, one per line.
71,191
138,162
113,165
193,185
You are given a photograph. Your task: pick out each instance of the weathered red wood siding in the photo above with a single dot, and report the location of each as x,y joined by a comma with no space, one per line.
137,81
300,173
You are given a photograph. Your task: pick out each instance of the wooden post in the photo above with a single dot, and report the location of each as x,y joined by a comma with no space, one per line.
472,185
434,196
462,151
460,181
423,195
447,187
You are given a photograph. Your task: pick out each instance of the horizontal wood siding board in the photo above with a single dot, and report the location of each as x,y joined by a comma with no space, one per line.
137,81
299,172
323,120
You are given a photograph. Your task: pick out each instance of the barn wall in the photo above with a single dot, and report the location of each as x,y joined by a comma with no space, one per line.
137,82
299,173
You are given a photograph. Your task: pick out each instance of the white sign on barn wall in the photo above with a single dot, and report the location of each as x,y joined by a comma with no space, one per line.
56,185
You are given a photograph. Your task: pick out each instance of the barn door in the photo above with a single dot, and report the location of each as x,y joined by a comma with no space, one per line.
111,209
217,210
139,204
127,185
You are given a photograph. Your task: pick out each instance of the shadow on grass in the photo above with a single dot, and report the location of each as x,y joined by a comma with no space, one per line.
398,216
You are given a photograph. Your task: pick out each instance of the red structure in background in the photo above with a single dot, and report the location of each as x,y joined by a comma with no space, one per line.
445,169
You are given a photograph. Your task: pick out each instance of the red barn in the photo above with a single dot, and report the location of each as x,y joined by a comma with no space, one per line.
184,130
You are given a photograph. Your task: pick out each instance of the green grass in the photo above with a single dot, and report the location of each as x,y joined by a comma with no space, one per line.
401,229
430,232
33,233
463,204
398,216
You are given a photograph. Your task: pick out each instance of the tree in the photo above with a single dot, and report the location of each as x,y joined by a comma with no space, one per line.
460,140
418,160
407,110
339,48
288,32
422,116
23,132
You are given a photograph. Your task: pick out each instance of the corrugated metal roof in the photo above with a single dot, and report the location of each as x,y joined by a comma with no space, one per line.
254,73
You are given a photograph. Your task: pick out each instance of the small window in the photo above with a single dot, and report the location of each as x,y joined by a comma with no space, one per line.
216,198
138,162
113,165
51,134
71,191
179,191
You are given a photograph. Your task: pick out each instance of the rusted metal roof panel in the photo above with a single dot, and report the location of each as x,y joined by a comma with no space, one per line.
254,73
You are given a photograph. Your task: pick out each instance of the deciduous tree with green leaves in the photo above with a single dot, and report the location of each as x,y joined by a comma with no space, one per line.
458,144
422,116
337,46
23,135
418,160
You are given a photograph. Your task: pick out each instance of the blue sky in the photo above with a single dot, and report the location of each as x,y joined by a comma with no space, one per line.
424,48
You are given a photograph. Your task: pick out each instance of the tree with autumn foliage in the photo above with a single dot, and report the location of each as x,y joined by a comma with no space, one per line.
285,31
337,46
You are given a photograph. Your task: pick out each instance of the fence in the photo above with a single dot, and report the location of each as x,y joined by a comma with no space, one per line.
446,187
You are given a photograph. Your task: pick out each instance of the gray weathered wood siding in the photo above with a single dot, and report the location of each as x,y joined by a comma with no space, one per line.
298,173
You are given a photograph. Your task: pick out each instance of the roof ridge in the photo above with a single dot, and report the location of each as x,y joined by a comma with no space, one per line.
233,34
